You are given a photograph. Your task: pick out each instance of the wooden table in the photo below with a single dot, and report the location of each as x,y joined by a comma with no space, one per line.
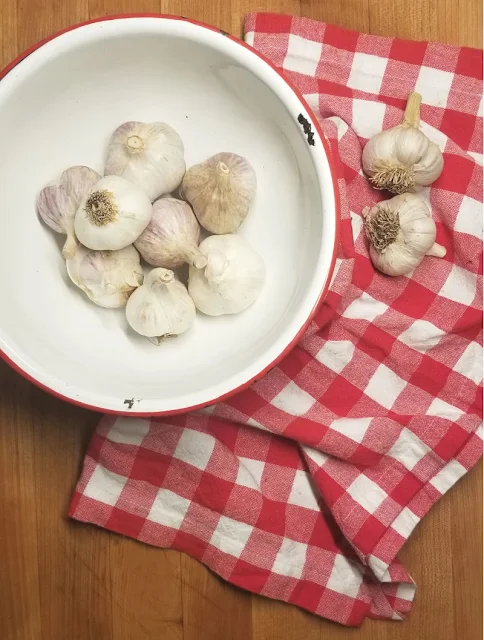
60,580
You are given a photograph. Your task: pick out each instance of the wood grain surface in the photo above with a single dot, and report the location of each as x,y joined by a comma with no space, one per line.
63,580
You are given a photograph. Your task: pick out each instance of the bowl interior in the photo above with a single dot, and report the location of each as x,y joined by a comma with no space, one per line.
58,108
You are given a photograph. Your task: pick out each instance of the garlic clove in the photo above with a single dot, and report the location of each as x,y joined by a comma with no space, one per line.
220,190
172,236
112,215
77,181
108,278
437,251
57,210
161,307
232,280
149,155
402,158
401,233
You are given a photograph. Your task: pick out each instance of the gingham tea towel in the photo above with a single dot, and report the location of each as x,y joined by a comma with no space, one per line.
380,404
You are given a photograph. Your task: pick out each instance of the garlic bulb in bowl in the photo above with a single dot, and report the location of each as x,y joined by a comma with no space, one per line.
161,307
57,204
172,236
220,190
232,280
112,215
149,155
107,277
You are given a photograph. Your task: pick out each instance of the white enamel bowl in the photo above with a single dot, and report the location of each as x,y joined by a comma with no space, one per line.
58,106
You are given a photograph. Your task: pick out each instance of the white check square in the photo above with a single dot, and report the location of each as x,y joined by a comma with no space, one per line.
367,493
105,486
231,536
460,286
302,55
365,308
422,335
336,354
129,430
368,117
470,216
385,386
470,363
250,473
408,449
292,399
302,492
345,577
405,522
367,72
290,558
434,85
448,476
195,448
354,428
168,509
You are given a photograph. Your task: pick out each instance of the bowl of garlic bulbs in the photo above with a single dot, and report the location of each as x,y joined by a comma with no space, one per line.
168,211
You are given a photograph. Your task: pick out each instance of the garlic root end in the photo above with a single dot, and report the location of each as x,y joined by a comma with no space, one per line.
437,251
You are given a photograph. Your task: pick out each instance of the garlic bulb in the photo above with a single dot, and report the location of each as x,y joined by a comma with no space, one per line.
57,204
107,277
112,215
401,232
402,158
232,280
220,190
149,155
161,307
172,236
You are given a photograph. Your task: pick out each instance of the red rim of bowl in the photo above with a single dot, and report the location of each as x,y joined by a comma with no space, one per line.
324,290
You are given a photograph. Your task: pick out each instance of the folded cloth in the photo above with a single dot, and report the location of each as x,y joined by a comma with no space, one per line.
380,403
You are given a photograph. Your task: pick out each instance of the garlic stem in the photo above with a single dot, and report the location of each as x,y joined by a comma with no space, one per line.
135,143
215,266
160,276
70,247
411,117
436,250
194,257
222,167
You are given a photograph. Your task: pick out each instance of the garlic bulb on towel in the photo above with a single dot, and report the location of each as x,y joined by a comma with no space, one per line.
220,190
172,236
107,277
233,278
149,155
402,158
401,233
161,307
112,215
57,204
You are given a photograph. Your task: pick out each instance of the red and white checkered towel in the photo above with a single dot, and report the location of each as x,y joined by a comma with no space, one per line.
380,404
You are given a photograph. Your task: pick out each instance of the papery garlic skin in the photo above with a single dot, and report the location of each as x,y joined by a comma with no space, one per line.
232,280
78,181
172,236
149,155
161,307
220,190
401,233
112,215
108,278
403,158
57,204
